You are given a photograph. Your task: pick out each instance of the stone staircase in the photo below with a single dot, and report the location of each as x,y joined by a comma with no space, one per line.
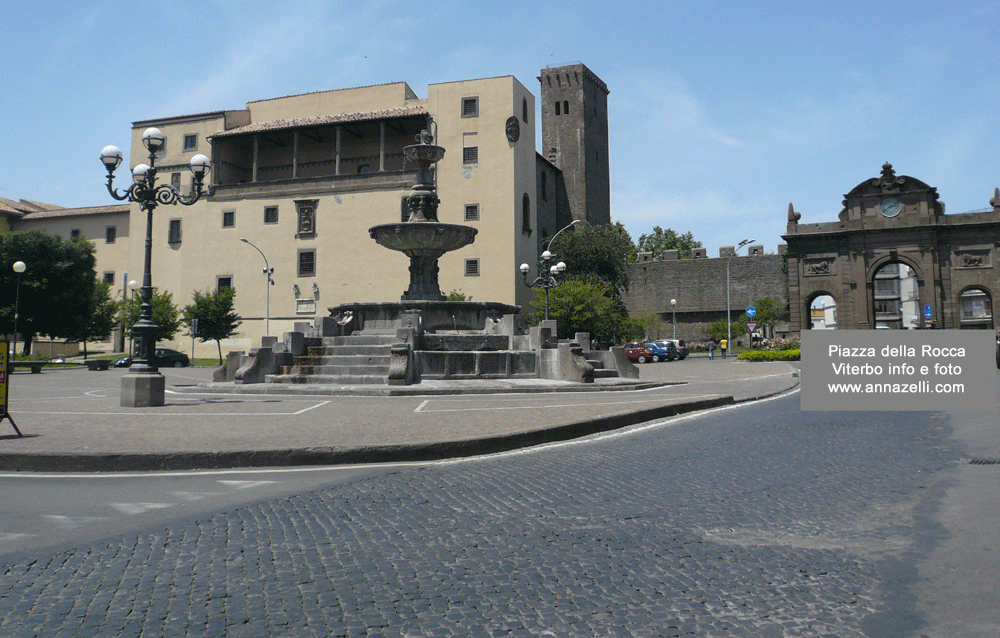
600,372
352,360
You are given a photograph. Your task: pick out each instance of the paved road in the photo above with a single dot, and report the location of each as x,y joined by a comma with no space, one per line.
758,520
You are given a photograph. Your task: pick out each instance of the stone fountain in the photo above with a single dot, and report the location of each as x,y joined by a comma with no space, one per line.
423,335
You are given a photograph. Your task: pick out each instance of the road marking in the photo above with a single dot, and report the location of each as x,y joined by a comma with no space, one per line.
131,509
243,485
4,537
564,405
318,405
195,496
73,522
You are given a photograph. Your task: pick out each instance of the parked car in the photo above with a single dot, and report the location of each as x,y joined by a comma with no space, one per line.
660,353
637,352
679,344
164,358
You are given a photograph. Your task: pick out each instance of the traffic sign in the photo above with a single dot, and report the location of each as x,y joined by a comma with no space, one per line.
752,326
927,311
751,311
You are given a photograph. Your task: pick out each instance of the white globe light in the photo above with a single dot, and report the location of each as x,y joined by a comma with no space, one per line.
561,266
525,268
200,165
20,267
111,157
139,172
546,255
153,139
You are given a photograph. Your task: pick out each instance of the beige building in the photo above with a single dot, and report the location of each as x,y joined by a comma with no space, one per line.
303,177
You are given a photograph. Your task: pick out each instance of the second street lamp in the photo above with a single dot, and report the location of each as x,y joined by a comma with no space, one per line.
729,320
268,271
143,386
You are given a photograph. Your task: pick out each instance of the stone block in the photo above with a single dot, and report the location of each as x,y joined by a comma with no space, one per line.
227,371
295,343
670,255
143,390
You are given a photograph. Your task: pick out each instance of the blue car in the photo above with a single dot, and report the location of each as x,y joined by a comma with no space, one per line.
660,353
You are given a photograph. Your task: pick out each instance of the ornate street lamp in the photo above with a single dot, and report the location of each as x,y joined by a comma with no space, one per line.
548,276
729,320
143,385
133,285
19,267
673,310
268,271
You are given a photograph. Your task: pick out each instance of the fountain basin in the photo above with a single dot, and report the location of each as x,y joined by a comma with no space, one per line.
436,316
423,239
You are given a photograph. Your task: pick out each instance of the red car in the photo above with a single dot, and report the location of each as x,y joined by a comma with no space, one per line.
637,352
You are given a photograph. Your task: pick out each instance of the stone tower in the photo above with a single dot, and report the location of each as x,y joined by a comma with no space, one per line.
575,137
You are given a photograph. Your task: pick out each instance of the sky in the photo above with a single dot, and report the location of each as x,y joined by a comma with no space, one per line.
720,113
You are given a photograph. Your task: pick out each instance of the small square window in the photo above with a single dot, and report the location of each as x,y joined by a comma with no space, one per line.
223,281
471,267
74,234
109,278
191,142
470,107
307,263
229,219
470,155
174,232
110,234
270,214
472,212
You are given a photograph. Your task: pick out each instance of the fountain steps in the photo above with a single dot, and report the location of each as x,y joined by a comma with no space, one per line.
600,372
352,360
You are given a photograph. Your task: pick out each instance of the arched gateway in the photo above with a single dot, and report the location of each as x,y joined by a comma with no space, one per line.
895,260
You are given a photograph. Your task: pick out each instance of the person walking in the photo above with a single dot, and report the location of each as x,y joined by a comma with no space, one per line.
711,349
723,345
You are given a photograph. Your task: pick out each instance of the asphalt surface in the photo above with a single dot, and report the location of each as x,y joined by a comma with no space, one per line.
72,421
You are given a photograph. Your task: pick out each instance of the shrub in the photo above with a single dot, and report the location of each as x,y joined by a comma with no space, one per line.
770,355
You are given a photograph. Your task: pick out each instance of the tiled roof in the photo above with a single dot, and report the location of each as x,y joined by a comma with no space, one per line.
72,212
324,120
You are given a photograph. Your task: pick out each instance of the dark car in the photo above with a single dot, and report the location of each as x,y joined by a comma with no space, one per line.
637,352
670,345
682,350
660,353
164,358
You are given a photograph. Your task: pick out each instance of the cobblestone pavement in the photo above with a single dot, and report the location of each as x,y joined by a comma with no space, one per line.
757,521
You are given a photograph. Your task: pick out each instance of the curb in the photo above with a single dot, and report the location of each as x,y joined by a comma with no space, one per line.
153,462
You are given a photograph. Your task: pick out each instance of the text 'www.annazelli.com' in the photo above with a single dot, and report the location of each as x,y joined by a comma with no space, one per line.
920,387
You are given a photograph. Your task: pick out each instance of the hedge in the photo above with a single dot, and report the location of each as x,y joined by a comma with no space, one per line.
770,355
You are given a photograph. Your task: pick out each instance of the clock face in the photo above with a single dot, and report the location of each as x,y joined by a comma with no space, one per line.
890,206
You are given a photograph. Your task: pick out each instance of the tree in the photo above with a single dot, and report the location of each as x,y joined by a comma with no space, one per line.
56,292
660,241
581,304
601,251
103,318
165,315
217,320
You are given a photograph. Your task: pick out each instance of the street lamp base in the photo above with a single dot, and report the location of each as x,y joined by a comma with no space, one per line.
143,390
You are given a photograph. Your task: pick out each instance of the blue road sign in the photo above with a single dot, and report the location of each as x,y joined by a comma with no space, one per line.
927,311
751,311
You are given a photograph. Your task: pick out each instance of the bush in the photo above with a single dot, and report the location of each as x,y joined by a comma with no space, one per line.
770,355
794,343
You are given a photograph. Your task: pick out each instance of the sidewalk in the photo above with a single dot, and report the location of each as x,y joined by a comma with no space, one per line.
72,420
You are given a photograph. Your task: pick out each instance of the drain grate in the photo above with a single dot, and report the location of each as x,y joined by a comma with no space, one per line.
984,461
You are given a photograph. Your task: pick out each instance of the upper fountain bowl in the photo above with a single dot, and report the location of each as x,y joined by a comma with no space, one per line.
427,239
424,153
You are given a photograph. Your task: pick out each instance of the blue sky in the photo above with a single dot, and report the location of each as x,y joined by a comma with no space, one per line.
721,113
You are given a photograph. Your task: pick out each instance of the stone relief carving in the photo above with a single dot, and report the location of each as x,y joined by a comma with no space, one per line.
889,183
306,210
973,258
819,267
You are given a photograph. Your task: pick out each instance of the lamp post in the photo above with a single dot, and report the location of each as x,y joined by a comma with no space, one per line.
548,276
673,310
132,286
143,385
19,267
729,321
268,271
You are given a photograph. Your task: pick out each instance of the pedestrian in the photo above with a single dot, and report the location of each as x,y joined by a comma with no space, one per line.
723,344
711,349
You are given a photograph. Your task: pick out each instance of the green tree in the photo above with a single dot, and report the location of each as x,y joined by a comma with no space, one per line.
56,292
217,318
599,251
661,240
165,315
102,320
581,304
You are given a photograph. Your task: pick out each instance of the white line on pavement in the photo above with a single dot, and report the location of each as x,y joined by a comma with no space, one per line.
670,398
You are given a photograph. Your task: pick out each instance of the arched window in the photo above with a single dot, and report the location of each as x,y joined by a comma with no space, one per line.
526,214
565,107
557,108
